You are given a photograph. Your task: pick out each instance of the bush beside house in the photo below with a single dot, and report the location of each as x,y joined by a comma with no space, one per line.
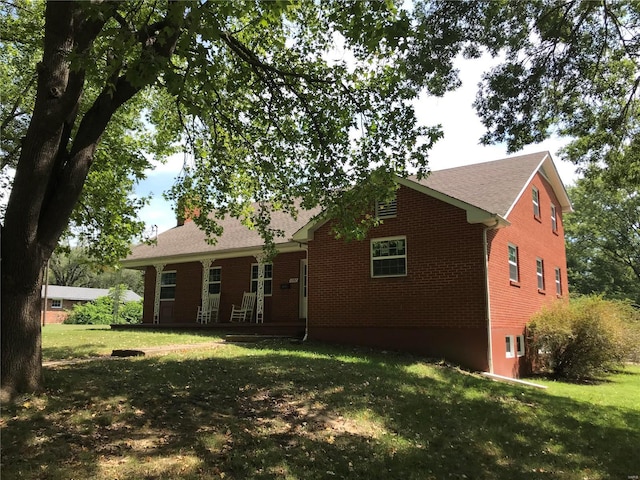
107,310
584,338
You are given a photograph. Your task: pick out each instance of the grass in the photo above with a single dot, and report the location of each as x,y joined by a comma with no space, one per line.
281,411
61,342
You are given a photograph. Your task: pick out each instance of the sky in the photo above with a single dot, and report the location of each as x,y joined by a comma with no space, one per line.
460,145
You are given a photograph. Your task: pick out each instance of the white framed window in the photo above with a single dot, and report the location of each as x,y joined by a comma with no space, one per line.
520,345
389,257
558,281
215,280
387,209
513,263
510,346
268,278
554,219
540,273
536,202
168,285
56,303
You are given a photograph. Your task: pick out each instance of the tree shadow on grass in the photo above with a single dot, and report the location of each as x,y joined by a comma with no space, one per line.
312,412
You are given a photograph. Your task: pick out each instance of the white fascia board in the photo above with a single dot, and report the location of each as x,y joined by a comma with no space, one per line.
306,232
197,257
553,177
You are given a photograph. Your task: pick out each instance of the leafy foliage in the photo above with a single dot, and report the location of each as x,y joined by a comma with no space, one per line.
72,266
584,338
106,310
603,239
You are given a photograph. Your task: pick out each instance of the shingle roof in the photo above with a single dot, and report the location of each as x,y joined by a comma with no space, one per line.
188,239
492,186
83,293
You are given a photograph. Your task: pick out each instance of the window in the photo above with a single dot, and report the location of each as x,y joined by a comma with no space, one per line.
540,273
56,303
510,346
215,282
554,219
387,209
536,202
520,345
268,278
389,257
513,263
168,286
558,282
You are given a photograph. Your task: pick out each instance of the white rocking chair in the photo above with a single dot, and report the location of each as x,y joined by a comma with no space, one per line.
244,312
210,311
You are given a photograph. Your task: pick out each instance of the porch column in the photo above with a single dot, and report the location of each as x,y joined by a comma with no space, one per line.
156,303
260,291
206,263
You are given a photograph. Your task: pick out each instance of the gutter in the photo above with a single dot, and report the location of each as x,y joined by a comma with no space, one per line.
485,251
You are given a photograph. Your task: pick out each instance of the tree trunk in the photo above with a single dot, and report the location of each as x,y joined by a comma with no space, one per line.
20,342
53,167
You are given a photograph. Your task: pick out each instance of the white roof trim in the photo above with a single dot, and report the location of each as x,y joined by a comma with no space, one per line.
553,177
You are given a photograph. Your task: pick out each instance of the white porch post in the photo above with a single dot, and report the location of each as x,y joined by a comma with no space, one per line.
206,263
156,304
260,292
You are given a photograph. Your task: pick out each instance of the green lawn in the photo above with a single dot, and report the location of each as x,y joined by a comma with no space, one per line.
62,342
281,411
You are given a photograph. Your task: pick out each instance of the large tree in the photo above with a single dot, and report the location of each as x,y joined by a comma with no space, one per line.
270,110
603,239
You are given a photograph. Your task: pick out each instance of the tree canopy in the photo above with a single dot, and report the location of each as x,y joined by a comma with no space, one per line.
603,240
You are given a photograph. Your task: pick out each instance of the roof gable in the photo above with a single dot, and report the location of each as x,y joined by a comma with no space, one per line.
496,186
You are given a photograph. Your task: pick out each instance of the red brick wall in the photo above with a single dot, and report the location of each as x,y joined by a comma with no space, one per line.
281,306
59,315
512,305
443,290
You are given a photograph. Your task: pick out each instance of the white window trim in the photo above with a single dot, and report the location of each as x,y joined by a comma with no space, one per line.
53,305
554,218
265,279
371,258
540,274
510,347
558,282
536,202
168,285
520,345
516,263
209,283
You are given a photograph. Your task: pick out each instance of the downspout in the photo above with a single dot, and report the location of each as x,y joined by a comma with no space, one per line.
485,248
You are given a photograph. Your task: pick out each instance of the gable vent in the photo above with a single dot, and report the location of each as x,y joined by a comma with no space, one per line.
387,209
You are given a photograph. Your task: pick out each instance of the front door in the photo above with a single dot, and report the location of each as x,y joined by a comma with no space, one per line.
303,288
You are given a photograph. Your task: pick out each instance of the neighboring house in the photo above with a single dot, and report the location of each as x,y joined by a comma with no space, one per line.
60,300
461,262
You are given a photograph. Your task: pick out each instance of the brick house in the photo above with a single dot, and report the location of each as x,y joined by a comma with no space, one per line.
461,261
61,299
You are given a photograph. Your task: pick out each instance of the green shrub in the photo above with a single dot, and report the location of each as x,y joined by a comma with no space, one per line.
101,312
583,338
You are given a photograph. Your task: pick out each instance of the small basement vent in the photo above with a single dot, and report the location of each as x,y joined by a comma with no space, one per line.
387,209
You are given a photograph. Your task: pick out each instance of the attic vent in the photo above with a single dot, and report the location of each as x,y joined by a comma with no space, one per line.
387,209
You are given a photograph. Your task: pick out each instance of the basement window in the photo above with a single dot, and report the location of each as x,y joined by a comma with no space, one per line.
510,346
520,345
